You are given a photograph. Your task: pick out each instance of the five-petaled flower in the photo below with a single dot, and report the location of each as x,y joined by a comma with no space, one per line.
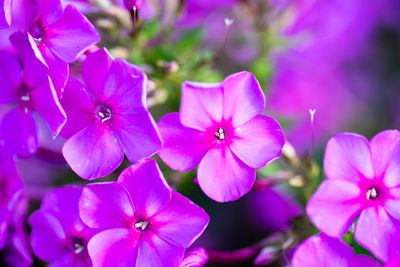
363,179
220,128
142,222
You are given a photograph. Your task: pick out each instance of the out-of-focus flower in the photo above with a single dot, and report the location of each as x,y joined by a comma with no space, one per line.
142,222
107,117
5,13
220,128
362,180
16,251
10,190
322,250
58,234
196,257
25,81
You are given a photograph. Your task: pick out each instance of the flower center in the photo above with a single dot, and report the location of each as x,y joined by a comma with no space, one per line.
78,245
372,193
103,112
220,134
141,225
37,33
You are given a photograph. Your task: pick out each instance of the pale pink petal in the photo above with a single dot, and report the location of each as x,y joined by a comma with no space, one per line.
243,98
183,147
348,157
392,202
392,172
93,152
106,205
147,186
223,177
201,105
334,206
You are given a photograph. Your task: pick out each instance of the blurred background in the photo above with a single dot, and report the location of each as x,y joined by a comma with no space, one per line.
340,58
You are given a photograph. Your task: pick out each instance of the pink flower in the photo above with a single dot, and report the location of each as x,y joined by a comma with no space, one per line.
142,222
220,128
363,180
107,117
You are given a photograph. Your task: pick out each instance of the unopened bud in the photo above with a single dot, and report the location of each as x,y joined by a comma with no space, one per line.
267,255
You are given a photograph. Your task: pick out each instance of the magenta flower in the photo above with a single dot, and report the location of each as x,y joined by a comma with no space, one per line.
62,35
142,222
58,234
220,128
322,250
10,190
363,181
107,117
24,81
5,13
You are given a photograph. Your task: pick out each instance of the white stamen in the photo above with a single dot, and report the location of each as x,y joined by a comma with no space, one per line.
142,225
372,193
78,248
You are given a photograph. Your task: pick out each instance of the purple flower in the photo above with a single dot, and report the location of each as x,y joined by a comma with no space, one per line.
363,181
5,13
24,81
322,250
58,234
62,35
10,190
220,128
195,257
142,222
107,117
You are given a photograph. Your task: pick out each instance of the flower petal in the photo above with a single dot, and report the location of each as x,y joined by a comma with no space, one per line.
392,203
378,232
137,134
71,35
93,152
5,14
201,105
392,171
10,77
183,147
243,98
147,187
195,257
78,105
45,101
180,222
105,205
348,157
258,141
114,247
48,236
95,69
223,177
334,206
19,131
153,251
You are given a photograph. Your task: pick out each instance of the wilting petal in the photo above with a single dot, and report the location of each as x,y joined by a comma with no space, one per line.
19,131
196,257
105,205
137,135
392,172
243,98
334,206
183,147
78,105
332,252
180,222
223,177
114,247
58,69
348,157
258,142
5,13
201,104
147,186
46,103
93,152
95,69
378,232
71,35
153,251
48,236
10,77
63,203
